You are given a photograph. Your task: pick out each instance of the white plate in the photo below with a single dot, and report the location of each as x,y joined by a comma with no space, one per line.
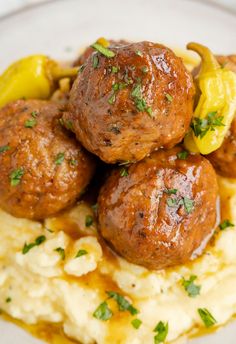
59,28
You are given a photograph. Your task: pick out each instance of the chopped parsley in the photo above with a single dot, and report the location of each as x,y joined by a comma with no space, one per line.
171,191
139,53
188,204
104,51
68,124
103,312
144,69
162,331
171,202
16,175
201,126
183,155
140,102
114,69
136,323
81,68
61,251
112,98
73,162
4,148
124,172
169,97
88,220
191,288
225,224
30,123
59,158
206,317
34,114
95,61
185,201
8,300
81,253
123,304
137,91
27,247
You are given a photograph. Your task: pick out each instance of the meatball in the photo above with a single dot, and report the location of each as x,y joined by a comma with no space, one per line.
124,107
161,211
224,158
43,169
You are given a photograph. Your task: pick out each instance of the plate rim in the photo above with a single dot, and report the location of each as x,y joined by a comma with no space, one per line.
29,7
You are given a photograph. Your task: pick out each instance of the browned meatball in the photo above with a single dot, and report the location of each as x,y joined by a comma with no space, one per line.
161,211
224,158
43,169
123,108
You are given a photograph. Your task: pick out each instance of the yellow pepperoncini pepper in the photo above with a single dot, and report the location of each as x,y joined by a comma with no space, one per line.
216,106
32,77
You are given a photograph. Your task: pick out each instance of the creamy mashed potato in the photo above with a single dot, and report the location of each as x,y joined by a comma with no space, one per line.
49,284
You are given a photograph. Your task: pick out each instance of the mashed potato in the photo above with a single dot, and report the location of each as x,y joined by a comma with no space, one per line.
63,277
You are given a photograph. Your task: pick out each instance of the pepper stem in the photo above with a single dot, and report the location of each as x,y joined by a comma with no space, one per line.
209,61
58,72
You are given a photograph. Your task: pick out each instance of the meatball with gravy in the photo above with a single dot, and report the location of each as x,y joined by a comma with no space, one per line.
161,211
43,169
131,100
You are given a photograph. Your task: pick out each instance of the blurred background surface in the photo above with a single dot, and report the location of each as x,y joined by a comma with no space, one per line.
8,6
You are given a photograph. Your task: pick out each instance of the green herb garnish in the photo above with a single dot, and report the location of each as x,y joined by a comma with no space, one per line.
183,155
169,97
112,98
104,51
201,126
8,300
185,201
73,162
171,191
103,312
139,53
171,202
34,114
188,204
95,61
206,317
4,149
162,331
124,172
81,253
27,247
191,288
226,224
59,158
144,69
139,102
114,69
16,175
136,323
88,220
137,91
61,251
30,123
123,304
